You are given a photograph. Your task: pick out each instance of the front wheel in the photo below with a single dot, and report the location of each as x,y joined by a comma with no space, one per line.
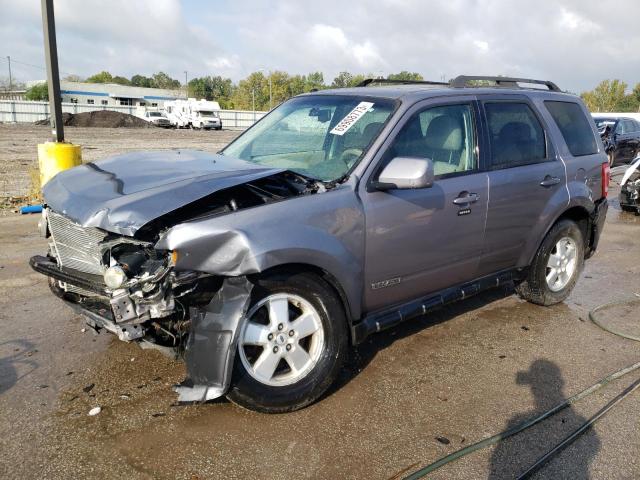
556,266
291,346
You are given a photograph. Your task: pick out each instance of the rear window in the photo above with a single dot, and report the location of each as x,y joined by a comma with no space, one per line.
574,126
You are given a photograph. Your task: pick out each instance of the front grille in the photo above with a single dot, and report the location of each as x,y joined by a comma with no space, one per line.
75,246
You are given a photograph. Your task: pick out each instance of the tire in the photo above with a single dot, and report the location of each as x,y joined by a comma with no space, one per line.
535,288
288,390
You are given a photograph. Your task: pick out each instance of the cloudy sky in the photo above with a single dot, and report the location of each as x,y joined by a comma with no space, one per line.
576,43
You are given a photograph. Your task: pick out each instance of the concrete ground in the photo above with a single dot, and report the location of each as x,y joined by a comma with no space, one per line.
407,397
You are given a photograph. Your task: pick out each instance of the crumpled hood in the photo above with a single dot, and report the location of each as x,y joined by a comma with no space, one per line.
121,194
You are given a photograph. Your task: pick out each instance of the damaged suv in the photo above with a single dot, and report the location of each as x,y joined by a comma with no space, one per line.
339,214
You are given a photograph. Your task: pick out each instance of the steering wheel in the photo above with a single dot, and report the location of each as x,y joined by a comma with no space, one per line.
350,155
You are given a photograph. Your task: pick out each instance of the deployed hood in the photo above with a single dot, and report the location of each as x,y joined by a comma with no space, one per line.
122,193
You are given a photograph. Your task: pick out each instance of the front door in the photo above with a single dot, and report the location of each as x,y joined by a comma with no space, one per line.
423,240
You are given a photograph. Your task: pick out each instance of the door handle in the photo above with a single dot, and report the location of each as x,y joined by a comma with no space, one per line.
550,181
465,198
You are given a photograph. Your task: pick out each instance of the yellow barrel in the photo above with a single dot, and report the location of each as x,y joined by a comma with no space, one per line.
53,157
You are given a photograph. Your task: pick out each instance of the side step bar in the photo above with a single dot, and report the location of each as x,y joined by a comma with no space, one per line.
389,318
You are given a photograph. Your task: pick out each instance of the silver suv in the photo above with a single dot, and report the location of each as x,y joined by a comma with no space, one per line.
339,214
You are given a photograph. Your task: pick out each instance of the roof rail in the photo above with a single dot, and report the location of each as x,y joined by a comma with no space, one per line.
369,81
463,80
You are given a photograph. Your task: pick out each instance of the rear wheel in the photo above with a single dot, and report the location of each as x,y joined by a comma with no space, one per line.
291,346
556,266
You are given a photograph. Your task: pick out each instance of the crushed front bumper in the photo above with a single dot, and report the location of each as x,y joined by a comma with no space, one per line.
88,281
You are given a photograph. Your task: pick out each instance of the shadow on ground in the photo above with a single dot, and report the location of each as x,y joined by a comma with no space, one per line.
9,363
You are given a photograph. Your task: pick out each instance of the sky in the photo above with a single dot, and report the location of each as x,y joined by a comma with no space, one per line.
576,43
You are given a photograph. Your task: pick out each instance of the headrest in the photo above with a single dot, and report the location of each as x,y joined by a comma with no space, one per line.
515,131
444,133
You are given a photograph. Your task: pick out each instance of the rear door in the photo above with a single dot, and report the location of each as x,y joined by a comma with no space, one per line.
524,176
422,240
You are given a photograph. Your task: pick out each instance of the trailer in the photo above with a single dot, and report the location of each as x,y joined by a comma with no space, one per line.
192,113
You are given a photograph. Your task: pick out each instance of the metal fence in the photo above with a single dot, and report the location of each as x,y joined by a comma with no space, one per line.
24,111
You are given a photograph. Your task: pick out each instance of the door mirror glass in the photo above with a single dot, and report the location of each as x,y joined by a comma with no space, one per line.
406,173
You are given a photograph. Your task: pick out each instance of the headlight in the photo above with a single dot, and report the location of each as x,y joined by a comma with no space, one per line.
114,277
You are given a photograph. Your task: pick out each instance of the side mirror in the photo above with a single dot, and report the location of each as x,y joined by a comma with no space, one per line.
406,173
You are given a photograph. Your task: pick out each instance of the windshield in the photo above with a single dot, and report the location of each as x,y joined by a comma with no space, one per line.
155,114
320,136
204,113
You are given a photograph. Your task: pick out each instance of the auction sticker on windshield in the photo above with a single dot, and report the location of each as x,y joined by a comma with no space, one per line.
352,117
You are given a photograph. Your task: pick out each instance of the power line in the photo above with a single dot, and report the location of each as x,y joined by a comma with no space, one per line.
13,60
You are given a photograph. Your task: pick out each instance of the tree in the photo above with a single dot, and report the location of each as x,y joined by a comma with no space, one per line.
38,92
162,80
212,88
404,75
253,87
346,79
343,80
102,77
73,78
120,80
141,81
608,96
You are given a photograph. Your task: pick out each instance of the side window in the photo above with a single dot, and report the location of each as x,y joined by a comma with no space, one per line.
444,134
620,127
574,126
517,138
629,126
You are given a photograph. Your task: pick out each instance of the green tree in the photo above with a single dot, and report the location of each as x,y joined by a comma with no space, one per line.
38,92
608,96
315,80
343,80
162,80
212,88
102,77
120,80
635,98
255,86
404,75
346,79
141,81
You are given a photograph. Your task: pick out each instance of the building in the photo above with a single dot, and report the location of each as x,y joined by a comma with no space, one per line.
111,94
15,94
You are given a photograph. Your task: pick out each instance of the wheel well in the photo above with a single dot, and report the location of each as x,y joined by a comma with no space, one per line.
326,276
581,216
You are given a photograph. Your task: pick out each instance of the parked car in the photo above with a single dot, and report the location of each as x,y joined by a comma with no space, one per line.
623,134
338,215
206,119
157,118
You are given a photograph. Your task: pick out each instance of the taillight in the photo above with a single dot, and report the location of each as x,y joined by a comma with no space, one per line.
606,176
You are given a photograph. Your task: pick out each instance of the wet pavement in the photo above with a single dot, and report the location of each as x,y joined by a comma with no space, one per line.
407,397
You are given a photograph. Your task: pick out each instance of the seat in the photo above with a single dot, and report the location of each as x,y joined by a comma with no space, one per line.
514,144
444,141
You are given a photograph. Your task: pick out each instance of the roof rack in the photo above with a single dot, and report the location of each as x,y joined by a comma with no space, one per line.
369,81
462,81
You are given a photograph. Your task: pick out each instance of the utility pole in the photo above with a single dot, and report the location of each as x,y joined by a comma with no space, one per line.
186,83
10,86
53,74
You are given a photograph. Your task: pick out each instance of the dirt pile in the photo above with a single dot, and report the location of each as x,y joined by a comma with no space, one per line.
100,118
